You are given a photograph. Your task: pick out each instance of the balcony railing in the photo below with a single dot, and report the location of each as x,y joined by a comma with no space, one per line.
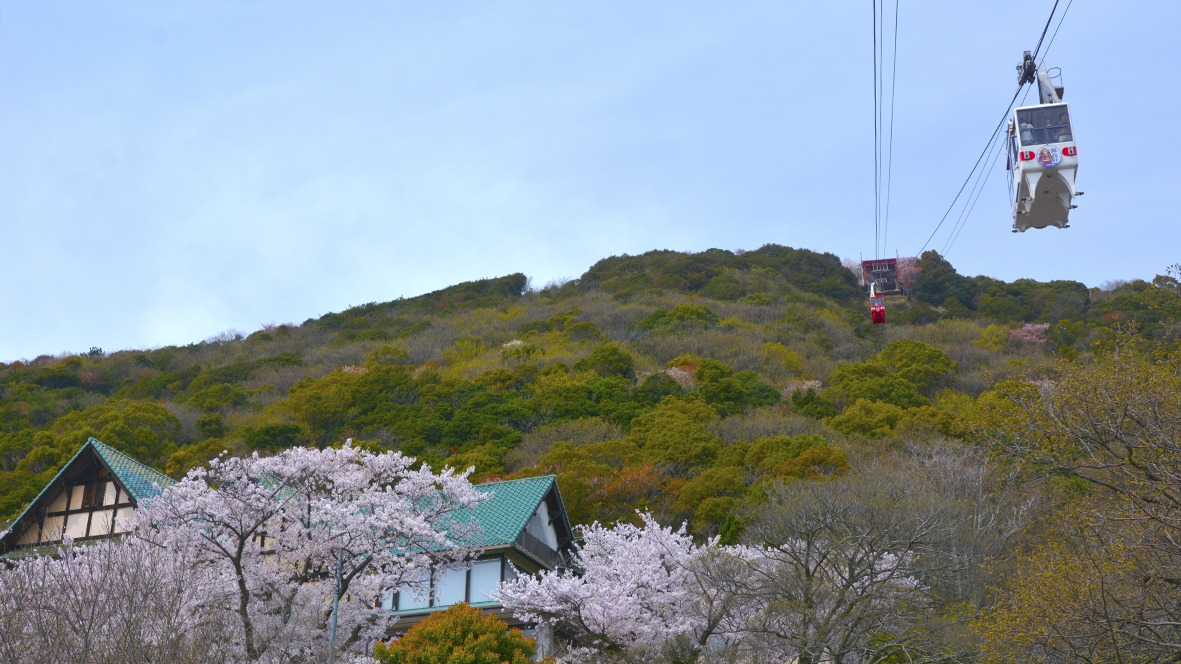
538,549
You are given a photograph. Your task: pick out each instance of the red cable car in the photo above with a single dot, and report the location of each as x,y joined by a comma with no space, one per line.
877,307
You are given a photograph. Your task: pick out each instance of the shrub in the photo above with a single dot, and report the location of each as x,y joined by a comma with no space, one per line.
607,360
499,380
656,387
374,335
809,404
218,396
868,418
459,635
993,337
386,356
916,362
781,361
682,313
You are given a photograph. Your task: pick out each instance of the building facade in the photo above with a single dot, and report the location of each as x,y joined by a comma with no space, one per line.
92,497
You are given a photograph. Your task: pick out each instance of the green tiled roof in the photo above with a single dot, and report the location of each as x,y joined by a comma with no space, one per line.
503,516
138,478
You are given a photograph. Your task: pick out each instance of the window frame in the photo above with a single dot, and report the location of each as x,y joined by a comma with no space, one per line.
1037,130
467,588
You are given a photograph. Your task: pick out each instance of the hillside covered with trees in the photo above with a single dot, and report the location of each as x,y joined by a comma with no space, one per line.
651,381
709,389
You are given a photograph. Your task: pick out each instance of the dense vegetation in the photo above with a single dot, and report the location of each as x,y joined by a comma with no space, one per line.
676,382
681,383
727,390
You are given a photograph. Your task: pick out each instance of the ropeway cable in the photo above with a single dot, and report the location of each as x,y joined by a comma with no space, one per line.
890,158
992,137
982,179
877,143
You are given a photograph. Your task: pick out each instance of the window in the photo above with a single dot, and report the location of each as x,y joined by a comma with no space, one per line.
123,516
97,495
409,598
474,586
485,577
1044,124
76,497
101,522
451,588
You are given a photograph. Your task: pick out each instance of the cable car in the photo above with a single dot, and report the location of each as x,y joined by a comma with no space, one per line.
1042,155
877,306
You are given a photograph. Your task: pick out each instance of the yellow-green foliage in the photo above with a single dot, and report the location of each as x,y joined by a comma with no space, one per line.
916,363
675,433
872,419
897,375
191,456
993,337
781,362
485,462
464,350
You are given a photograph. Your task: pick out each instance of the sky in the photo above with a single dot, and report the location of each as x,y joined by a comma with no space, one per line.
172,170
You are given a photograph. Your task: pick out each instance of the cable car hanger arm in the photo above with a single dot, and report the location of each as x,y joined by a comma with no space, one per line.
1029,71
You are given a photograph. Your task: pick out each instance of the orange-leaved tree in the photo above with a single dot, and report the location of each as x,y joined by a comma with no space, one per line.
459,635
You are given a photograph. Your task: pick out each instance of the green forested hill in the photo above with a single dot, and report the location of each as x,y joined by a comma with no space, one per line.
678,382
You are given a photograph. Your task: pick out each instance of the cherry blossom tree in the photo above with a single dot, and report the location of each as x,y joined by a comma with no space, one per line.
277,534
632,595
111,602
879,566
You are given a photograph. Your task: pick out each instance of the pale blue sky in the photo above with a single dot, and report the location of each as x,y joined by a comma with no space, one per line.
170,170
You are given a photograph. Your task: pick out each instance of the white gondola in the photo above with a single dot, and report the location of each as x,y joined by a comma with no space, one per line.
1042,155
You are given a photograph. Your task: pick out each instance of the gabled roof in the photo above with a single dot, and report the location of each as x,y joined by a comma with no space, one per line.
503,516
135,477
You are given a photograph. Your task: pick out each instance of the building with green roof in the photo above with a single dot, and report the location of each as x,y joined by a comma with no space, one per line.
89,498
524,528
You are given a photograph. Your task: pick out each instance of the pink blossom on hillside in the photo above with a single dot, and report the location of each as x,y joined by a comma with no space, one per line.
1031,332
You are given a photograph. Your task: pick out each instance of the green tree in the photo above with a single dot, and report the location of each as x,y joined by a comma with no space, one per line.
939,280
607,360
218,396
730,392
916,362
675,432
273,437
211,425
810,404
682,313
656,387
